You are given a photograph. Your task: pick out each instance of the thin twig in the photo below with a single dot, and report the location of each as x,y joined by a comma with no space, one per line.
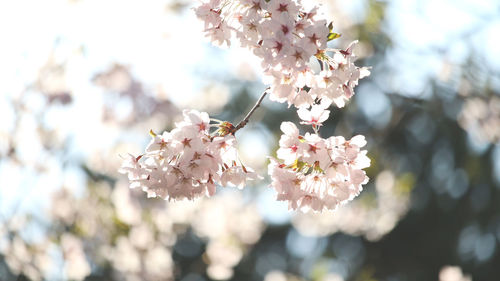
245,120
320,64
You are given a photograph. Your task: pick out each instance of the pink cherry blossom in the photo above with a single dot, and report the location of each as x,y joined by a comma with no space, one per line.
285,37
314,116
237,176
290,143
187,162
312,173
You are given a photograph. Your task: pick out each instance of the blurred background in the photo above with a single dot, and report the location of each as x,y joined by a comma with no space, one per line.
83,81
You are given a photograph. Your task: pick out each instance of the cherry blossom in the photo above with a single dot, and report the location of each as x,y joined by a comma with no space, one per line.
285,36
315,116
313,173
187,162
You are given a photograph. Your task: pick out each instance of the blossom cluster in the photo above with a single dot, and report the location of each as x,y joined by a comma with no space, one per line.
316,173
285,36
188,162
312,172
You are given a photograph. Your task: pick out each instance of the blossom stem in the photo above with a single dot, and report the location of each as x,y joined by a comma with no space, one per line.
249,114
320,64
216,120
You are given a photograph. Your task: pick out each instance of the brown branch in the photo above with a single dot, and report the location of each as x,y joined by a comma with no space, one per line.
245,120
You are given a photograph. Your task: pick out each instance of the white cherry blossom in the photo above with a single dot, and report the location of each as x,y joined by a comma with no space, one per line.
313,173
315,116
285,37
187,162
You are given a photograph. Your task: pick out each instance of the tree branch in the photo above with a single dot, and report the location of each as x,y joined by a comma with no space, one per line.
245,120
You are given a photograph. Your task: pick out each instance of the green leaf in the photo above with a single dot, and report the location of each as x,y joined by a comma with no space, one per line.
333,36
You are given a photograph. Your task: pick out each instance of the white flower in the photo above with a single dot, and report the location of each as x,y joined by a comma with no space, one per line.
315,173
192,118
158,143
302,99
279,7
316,152
237,176
311,172
290,143
315,37
220,34
187,162
315,116
285,37
208,11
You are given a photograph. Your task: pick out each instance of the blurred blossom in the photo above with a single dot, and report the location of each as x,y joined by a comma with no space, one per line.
140,247
223,256
481,118
159,263
212,98
141,236
248,67
226,215
276,275
219,272
125,257
63,206
51,127
29,259
333,277
144,103
231,227
127,209
76,265
453,273
372,215
52,81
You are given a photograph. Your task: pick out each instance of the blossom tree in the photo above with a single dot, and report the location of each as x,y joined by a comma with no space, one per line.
311,172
